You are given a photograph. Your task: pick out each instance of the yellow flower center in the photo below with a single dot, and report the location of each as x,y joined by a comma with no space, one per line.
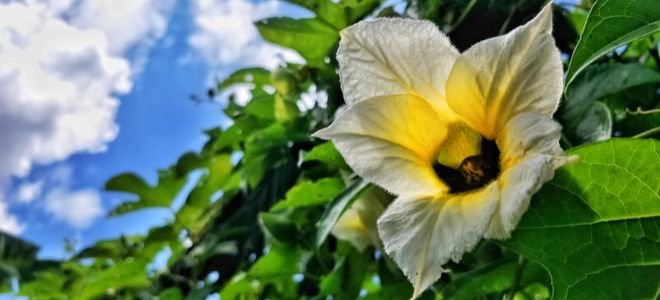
466,160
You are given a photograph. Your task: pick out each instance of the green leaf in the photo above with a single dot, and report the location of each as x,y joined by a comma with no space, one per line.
241,287
493,278
308,193
264,148
340,14
585,119
612,23
47,285
279,261
601,80
279,227
285,110
172,293
337,208
111,249
257,76
311,38
261,107
15,252
327,154
345,280
160,195
193,214
128,274
595,125
596,225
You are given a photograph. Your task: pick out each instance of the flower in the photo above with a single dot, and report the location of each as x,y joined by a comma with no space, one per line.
357,224
463,139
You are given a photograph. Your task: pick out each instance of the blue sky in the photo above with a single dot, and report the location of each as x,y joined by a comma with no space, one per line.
163,61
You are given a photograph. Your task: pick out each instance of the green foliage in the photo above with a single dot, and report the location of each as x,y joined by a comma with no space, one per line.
160,195
585,118
327,154
15,254
312,38
612,23
259,77
309,193
595,226
252,211
495,278
336,208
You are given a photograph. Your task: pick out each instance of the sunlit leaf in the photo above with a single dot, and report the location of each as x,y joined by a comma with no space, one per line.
492,279
308,193
312,38
596,225
286,110
261,107
327,154
160,195
279,261
340,13
241,287
192,215
259,77
128,274
612,23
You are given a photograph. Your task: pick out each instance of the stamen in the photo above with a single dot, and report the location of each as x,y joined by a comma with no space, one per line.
474,172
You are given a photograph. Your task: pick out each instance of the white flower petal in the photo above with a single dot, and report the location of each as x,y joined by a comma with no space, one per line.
529,133
517,186
422,234
394,56
500,77
391,141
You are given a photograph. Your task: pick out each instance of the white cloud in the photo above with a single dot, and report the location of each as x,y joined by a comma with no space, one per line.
225,34
62,65
9,223
126,23
76,208
56,89
27,192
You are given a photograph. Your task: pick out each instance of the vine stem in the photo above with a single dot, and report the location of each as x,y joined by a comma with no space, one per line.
647,133
639,111
522,262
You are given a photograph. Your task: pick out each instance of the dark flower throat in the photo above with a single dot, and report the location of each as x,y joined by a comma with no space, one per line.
474,172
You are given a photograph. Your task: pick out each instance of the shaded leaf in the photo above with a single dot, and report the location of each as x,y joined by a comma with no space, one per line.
334,211
345,280
585,119
279,227
601,80
596,124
